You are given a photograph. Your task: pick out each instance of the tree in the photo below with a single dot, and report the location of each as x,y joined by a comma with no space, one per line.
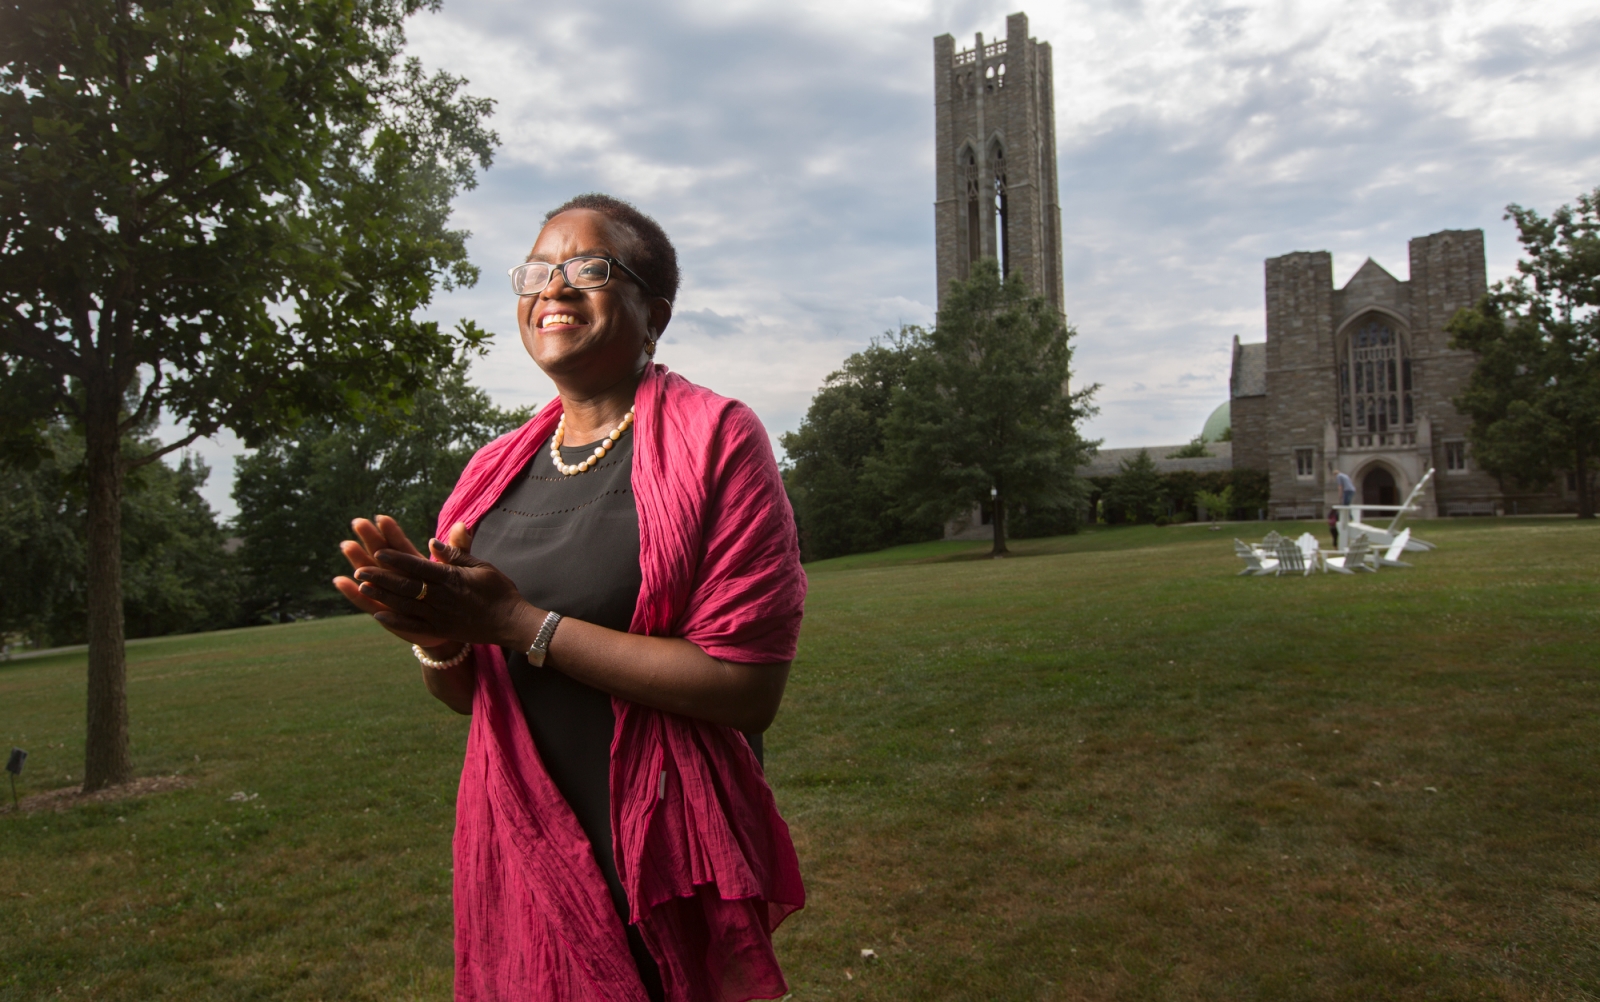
179,577
1534,395
1137,493
1218,504
1195,449
1181,490
985,407
298,492
840,508
239,204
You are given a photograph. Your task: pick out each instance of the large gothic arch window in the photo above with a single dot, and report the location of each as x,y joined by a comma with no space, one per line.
969,176
1375,385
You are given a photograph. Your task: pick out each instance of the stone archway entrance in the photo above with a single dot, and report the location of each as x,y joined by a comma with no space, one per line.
1378,487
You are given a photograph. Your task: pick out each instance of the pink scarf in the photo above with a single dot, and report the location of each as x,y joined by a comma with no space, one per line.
705,859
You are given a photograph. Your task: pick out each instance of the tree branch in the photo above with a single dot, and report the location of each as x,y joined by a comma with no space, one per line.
178,178
22,338
150,457
137,417
151,222
69,403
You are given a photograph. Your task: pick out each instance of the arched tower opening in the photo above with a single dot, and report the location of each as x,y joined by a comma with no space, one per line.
1002,236
974,199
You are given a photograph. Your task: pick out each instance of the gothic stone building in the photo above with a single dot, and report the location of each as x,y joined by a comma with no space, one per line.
1360,379
995,144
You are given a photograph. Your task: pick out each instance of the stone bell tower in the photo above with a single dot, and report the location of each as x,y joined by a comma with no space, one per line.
996,148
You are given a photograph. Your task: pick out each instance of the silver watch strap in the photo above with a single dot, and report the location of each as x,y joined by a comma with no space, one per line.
541,643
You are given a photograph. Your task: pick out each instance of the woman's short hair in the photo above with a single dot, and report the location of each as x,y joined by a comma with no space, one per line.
654,258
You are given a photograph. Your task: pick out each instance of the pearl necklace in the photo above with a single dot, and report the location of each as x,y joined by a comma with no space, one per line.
599,450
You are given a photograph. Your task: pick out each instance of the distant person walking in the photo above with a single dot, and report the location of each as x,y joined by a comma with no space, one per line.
614,595
1333,525
1347,487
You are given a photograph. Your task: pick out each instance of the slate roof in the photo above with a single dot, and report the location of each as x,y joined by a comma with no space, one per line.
1108,462
1249,369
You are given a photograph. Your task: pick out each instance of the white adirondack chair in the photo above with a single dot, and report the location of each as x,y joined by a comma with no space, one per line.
1350,561
1391,556
1270,541
1291,560
1308,547
1254,562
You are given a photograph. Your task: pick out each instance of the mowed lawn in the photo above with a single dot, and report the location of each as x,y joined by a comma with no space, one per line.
1103,769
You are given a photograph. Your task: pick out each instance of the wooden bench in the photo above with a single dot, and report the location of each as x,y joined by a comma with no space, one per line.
1296,514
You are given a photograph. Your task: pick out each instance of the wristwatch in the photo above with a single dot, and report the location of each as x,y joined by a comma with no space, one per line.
541,643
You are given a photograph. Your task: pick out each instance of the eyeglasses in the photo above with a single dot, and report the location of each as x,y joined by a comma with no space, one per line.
531,278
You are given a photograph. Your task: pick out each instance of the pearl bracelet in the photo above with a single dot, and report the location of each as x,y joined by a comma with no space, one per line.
427,662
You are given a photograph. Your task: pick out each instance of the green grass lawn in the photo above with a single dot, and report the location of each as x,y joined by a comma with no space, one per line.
1103,769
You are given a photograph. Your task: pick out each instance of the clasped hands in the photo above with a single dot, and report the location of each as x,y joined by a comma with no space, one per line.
466,601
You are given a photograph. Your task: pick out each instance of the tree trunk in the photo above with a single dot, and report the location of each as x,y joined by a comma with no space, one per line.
105,760
998,520
1585,494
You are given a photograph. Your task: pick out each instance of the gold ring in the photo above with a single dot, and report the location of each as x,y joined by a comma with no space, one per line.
423,593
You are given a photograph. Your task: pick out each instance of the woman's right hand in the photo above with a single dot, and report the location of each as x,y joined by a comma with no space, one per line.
384,533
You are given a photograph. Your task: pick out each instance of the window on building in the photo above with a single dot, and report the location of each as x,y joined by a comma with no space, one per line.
1002,233
969,171
1455,457
1375,381
1305,463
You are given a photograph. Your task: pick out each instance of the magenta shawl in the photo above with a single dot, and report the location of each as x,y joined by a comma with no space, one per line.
706,860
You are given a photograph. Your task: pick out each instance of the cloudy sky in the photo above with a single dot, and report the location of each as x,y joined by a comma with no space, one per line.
788,149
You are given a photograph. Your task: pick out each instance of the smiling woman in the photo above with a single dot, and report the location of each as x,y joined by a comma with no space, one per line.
618,617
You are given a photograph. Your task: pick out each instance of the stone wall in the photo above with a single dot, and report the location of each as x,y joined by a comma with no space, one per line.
1447,274
1301,392
1249,421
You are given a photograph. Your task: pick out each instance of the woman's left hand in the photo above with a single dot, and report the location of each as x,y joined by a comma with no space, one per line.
454,596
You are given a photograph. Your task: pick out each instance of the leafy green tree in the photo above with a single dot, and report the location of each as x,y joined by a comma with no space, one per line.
840,508
1195,449
1252,490
1137,493
1181,489
985,407
1218,504
298,492
179,577
1534,395
241,204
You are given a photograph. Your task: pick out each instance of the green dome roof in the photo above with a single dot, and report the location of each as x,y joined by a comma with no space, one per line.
1218,423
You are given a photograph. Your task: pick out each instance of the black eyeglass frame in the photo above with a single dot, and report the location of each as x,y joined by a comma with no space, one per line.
562,268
